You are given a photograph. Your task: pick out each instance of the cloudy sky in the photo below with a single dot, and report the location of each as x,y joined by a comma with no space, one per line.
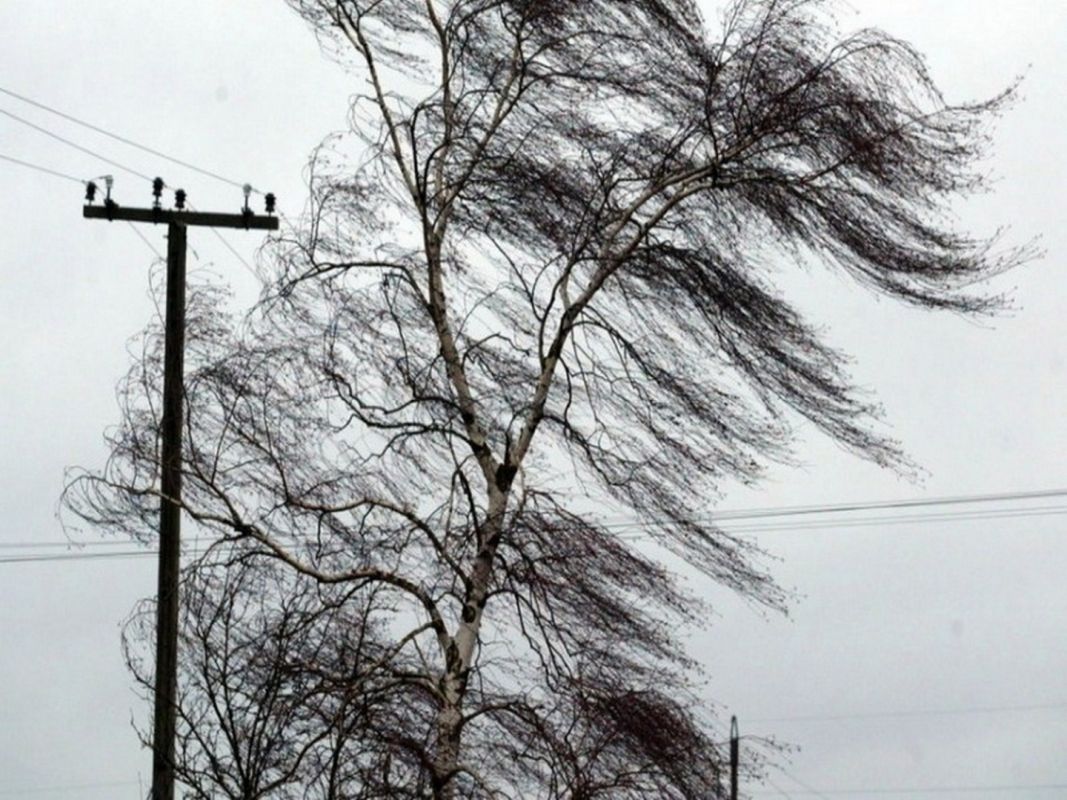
919,656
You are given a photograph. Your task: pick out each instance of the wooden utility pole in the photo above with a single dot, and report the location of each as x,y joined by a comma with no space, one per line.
735,747
166,674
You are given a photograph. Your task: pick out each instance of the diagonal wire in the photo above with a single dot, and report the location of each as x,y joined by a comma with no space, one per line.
39,168
75,145
890,504
925,790
58,174
928,712
807,789
1005,513
123,139
777,788
79,787
127,141
144,239
231,248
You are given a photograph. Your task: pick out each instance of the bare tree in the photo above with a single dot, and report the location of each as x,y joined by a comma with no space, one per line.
278,676
533,295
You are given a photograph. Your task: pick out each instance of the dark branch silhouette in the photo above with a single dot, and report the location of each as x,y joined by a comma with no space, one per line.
533,293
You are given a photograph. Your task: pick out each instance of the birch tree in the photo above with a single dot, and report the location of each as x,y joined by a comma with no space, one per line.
532,297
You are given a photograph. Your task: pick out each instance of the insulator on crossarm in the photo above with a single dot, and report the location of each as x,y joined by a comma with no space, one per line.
179,199
246,212
157,191
90,192
109,204
269,201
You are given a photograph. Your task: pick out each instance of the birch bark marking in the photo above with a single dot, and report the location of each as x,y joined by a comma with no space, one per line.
459,654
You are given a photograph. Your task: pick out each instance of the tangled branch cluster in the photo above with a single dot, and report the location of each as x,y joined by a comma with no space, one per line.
546,291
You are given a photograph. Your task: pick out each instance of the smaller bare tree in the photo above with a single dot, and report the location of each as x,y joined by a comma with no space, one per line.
282,684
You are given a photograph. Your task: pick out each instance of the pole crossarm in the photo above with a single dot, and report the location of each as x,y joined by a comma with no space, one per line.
189,218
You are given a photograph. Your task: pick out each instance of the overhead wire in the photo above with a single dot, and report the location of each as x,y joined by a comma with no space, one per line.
244,262
961,789
189,552
144,239
82,181
925,712
77,787
830,524
75,543
726,520
123,139
871,505
119,165
75,145
18,559
741,514
231,248
778,790
138,145
865,522
807,789
39,168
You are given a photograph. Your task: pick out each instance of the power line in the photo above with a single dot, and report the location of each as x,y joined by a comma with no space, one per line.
127,141
123,139
892,504
153,248
778,790
838,508
845,523
926,712
39,168
236,254
75,556
808,790
231,248
1032,787
26,545
67,788
902,519
58,174
144,239
30,558
54,544
887,519
75,145
1003,513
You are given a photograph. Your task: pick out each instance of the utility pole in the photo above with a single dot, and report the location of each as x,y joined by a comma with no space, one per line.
735,747
177,221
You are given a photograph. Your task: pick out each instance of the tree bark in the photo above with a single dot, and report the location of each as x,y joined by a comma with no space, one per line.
460,652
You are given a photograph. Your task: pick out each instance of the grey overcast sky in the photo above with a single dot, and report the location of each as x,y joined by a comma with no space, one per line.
918,656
